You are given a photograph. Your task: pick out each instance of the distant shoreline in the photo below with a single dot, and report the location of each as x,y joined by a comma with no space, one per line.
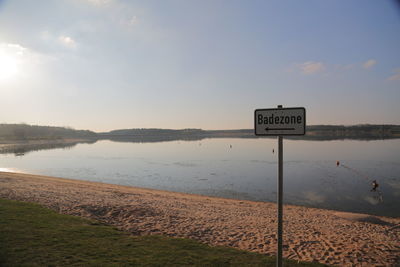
327,236
23,132
316,132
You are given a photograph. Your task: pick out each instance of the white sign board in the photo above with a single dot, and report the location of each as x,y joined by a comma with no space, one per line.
280,121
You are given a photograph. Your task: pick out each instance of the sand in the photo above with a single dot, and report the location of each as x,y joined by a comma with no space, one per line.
331,237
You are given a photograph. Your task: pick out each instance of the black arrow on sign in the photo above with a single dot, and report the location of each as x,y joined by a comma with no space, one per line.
279,129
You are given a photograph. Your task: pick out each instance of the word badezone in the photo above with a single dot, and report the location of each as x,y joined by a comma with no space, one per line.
279,119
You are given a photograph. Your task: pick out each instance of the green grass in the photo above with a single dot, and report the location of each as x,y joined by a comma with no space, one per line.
31,235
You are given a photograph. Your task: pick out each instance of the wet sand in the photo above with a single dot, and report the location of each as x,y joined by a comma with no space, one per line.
331,237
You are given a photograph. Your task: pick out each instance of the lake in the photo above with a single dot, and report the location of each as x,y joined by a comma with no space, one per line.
237,168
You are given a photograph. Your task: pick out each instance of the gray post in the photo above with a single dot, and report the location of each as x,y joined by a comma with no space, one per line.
280,199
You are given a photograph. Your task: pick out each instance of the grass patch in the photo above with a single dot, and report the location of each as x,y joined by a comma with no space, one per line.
31,235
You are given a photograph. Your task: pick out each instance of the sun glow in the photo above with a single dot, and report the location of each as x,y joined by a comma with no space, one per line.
8,67
10,59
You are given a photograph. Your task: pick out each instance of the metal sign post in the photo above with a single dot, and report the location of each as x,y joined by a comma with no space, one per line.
280,201
280,122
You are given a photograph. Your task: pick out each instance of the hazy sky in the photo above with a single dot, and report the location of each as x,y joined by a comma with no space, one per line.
109,64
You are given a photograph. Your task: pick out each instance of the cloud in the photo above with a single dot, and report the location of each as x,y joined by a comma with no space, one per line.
311,67
396,76
369,64
13,48
67,41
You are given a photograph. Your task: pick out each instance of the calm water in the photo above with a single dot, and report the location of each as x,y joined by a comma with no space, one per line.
247,170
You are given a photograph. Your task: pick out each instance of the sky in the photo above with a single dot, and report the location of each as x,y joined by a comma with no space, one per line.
115,64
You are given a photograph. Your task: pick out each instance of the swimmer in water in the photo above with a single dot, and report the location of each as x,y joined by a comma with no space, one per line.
374,186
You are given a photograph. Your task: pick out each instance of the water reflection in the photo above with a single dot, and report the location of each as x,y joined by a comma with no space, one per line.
245,171
10,170
22,148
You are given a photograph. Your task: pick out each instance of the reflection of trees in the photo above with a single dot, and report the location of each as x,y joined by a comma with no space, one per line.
22,149
153,139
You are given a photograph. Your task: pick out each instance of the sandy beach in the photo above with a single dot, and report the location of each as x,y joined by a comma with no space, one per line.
331,237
